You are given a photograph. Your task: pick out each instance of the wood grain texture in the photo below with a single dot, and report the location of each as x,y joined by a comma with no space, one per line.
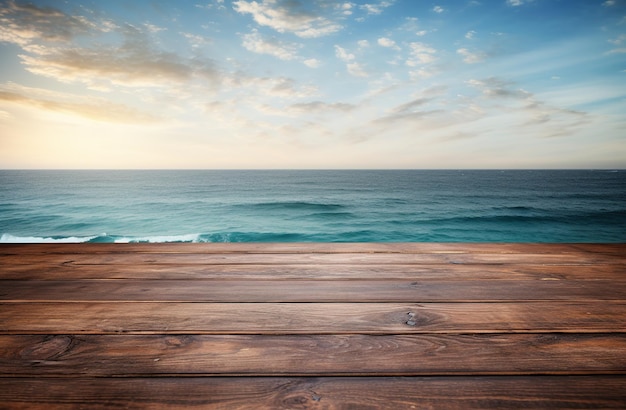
313,326
410,355
153,271
311,318
330,393
308,291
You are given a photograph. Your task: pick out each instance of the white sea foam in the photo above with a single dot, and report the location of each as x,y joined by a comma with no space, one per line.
194,237
7,238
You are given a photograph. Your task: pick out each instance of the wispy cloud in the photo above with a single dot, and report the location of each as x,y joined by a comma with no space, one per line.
129,65
376,8
387,42
45,35
92,108
353,67
24,23
255,43
287,16
497,87
420,54
195,40
319,106
312,62
471,57
532,112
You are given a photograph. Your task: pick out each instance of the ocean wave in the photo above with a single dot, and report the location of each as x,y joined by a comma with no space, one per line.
219,237
335,215
293,205
159,239
8,238
102,238
600,217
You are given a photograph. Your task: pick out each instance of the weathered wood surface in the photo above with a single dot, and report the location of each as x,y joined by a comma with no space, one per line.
328,326
244,393
311,318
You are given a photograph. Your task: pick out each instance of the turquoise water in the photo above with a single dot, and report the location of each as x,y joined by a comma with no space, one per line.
318,206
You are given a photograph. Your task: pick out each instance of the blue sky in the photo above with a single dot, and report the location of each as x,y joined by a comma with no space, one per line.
313,84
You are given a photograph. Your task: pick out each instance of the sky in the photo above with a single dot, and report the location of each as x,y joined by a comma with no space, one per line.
221,84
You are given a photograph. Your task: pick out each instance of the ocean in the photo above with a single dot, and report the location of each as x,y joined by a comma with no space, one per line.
313,206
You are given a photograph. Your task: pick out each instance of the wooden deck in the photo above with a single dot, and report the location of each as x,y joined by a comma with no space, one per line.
313,326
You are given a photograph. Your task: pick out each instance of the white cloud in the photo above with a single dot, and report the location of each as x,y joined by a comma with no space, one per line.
387,42
421,73
609,3
356,69
154,29
346,8
219,4
516,3
255,43
287,17
376,8
352,66
470,34
343,55
420,54
363,43
195,40
438,9
470,57
421,33
282,87
312,63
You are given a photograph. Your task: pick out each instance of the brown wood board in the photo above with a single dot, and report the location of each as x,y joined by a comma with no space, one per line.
402,393
47,271
311,318
309,290
323,355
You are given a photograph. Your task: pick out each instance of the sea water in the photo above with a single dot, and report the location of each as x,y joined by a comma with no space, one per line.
313,206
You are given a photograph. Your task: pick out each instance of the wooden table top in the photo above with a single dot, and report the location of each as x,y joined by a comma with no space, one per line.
313,326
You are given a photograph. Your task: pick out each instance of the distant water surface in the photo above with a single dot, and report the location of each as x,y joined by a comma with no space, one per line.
313,206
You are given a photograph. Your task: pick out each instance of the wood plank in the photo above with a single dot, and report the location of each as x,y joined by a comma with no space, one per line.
308,290
311,318
454,393
45,271
328,355
315,258
311,247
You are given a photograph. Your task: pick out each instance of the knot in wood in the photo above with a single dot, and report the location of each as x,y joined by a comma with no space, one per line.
411,321
50,348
